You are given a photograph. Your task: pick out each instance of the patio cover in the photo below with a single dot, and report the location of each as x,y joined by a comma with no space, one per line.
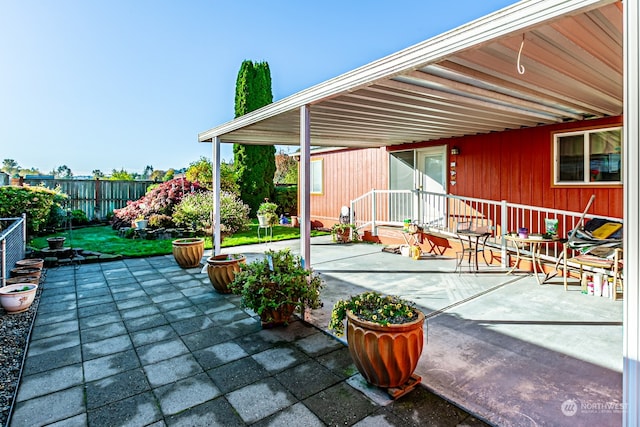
466,82
462,82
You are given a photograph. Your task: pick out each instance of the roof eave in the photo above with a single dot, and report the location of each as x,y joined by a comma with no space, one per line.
511,19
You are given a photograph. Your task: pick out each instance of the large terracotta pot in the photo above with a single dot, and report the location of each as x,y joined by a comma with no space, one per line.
222,270
271,318
23,279
386,356
17,298
32,272
30,263
188,251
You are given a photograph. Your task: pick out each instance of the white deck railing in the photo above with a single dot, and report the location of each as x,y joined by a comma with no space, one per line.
443,212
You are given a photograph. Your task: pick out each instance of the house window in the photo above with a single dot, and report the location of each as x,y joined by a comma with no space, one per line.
590,157
316,170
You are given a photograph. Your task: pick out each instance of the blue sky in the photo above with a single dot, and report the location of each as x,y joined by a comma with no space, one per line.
128,83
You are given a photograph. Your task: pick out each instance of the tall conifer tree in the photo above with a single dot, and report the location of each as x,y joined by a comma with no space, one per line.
255,165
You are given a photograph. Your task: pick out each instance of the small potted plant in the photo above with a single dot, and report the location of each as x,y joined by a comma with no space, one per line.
344,233
384,334
267,216
18,297
56,242
274,286
141,222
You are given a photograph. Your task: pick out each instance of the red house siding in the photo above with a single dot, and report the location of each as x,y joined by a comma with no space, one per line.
513,165
347,174
517,166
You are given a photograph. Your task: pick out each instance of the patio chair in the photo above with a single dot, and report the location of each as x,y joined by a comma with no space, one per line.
472,238
345,215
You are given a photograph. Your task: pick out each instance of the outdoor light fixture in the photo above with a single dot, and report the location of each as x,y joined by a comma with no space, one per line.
455,151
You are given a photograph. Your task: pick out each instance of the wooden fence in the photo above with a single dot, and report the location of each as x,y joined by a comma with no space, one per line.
93,196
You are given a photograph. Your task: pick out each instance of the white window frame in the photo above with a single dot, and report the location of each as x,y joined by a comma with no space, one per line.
586,181
317,176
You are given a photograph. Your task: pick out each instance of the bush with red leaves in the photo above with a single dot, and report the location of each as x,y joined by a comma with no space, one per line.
160,200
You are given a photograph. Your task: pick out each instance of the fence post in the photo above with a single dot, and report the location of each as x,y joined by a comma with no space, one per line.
503,224
97,201
374,229
4,262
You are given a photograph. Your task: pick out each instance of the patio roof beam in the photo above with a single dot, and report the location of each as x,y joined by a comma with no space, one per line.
478,92
421,111
451,69
513,108
433,115
561,86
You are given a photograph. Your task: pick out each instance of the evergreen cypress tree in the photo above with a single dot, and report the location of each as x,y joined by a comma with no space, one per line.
255,165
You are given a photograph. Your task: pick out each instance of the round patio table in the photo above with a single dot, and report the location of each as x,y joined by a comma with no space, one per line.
535,244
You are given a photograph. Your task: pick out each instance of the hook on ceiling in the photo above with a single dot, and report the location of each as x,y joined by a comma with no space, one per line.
519,66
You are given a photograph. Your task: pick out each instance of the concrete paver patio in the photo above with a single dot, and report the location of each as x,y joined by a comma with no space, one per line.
143,342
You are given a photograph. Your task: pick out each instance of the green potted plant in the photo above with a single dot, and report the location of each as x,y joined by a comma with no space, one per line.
267,216
18,297
384,335
274,286
344,233
141,222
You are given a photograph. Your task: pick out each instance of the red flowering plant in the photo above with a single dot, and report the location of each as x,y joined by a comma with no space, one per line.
160,200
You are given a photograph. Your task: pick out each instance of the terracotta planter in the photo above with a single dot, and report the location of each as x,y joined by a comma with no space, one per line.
386,356
188,251
343,236
222,270
30,263
56,242
22,279
32,272
16,300
271,318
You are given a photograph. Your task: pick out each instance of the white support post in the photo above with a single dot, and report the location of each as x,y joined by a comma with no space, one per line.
216,195
631,180
374,228
305,185
503,223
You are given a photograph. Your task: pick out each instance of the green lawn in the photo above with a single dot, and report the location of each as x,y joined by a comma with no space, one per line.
106,240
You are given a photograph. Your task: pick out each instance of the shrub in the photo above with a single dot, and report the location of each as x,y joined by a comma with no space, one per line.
196,211
37,202
162,200
234,213
78,217
160,221
287,199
